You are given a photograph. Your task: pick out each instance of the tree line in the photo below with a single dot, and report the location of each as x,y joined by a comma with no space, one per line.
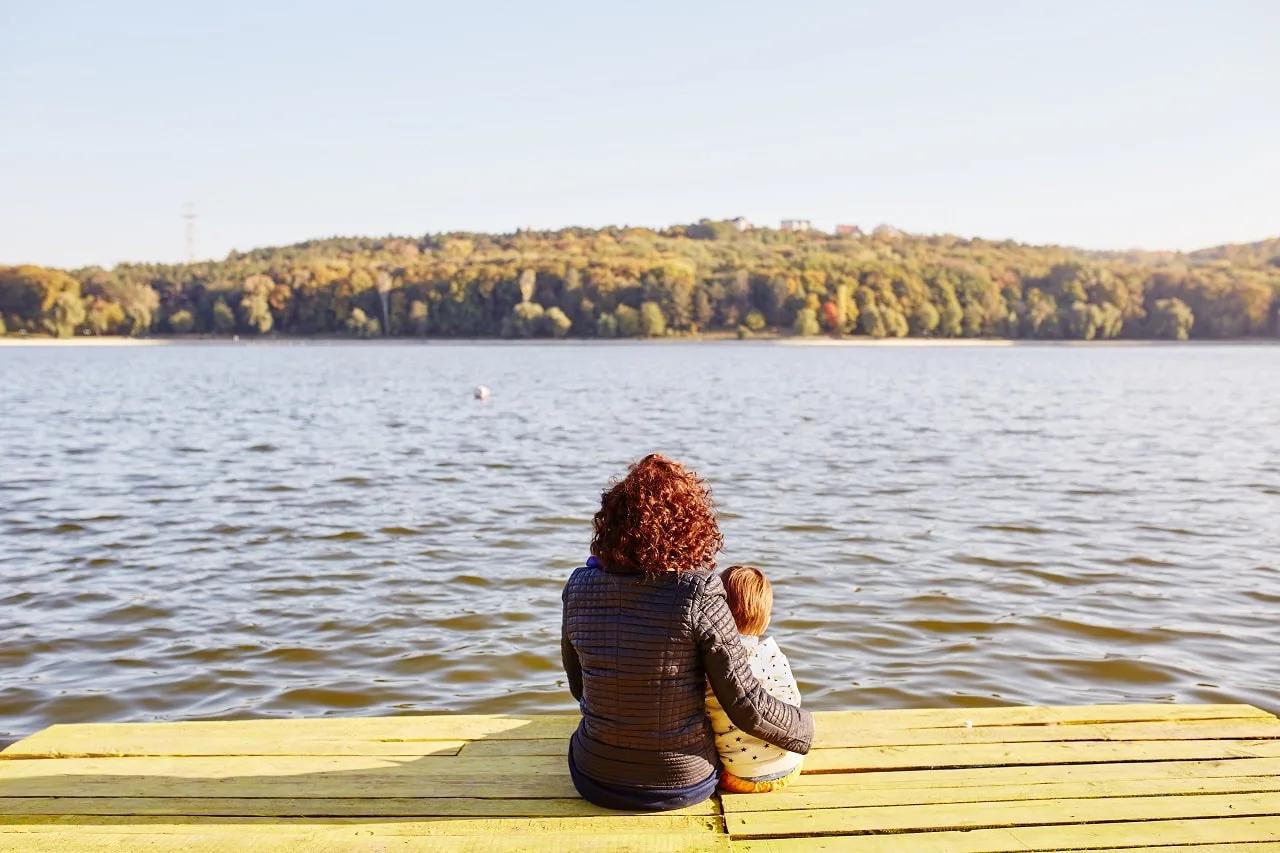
636,282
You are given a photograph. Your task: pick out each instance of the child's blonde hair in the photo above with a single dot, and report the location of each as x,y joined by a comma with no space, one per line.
750,598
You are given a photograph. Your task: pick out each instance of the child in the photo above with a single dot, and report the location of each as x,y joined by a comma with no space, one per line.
749,765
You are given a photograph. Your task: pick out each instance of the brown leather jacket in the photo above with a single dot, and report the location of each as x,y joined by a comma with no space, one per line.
638,652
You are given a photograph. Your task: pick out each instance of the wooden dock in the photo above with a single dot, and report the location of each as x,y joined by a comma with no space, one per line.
1167,778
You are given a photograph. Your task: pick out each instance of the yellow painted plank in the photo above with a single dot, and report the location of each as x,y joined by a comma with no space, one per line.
1108,836
317,807
535,777
496,748
979,755
144,825
1245,847
1197,730
853,797
841,736
269,766
980,815
530,777
247,746
405,734
1016,715
518,787
509,842
285,737
1039,774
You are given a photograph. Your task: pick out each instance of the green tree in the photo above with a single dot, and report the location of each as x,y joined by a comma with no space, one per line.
1042,315
1082,321
806,323
138,300
104,318
418,316
397,314
871,322
558,322
950,318
67,313
1171,319
847,309
924,319
181,322
755,321
30,293
776,299
1111,321
357,322
678,303
703,311
606,326
224,322
895,323
526,321
627,320
255,316
652,323
255,310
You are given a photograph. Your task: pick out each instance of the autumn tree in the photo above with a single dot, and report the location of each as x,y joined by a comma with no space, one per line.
701,277
66,314
224,322
181,322
418,316
30,296
255,312
652,322
557,322
1171,319
627,321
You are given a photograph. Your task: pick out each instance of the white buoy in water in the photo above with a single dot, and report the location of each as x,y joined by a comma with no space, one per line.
482,392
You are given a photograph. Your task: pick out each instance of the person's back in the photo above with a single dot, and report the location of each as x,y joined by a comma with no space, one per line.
643,714
646,626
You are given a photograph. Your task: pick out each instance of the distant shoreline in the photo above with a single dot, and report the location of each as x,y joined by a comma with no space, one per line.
775,340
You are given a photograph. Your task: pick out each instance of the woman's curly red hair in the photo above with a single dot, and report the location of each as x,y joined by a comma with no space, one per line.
658,518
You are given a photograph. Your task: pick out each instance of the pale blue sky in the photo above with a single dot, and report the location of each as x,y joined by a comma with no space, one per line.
1101,124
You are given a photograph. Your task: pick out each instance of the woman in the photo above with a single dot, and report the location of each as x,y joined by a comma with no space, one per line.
646,627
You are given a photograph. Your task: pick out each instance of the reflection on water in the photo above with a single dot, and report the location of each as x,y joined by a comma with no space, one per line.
219,531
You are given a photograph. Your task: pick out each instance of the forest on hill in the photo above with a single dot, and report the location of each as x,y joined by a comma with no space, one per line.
638,282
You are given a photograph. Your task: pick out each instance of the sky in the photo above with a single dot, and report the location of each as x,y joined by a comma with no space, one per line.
1122,124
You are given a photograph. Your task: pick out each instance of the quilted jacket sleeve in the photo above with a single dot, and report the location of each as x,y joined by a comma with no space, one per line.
572,666
740,693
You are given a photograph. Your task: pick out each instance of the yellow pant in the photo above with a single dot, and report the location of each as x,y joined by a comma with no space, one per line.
734,785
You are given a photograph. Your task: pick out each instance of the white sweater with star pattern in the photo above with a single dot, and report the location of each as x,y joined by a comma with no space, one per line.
741,754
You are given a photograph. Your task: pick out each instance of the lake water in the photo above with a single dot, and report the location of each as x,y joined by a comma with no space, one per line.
231,531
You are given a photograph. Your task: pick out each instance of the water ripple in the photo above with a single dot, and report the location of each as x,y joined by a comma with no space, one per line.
958,527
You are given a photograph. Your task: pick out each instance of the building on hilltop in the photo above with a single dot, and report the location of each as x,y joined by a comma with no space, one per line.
848,231
797,225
